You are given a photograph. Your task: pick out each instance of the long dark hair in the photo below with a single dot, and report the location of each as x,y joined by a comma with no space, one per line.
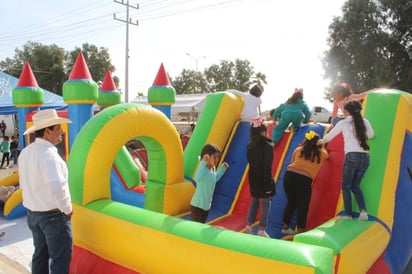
296,96
311,150
256,134
354,108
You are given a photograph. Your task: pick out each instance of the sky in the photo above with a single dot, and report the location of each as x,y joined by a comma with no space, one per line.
284,40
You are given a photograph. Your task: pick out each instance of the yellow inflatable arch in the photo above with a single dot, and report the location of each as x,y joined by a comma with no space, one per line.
98,143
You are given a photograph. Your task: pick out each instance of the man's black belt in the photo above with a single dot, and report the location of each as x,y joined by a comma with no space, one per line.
54,210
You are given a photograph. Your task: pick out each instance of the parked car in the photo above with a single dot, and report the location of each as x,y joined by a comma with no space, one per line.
321,115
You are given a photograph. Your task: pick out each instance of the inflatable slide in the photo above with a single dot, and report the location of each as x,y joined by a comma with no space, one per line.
106,231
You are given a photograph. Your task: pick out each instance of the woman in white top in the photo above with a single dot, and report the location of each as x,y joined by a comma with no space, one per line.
356,131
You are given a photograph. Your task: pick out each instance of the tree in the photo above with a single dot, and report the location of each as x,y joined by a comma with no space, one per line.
188,82
97,59
238,75
365,49
47,63
52,65
398,16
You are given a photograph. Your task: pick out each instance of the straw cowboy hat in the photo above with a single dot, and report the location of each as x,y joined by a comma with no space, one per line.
46,118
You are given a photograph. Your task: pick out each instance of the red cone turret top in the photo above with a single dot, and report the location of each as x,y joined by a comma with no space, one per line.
108,93
161,93
108,83
27,78
161,77
80,69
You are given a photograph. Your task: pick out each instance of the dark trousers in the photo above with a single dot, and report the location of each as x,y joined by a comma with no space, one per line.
6,156
52,239
14,155
198,214
298,189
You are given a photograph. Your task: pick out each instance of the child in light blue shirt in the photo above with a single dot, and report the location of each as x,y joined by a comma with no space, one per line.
206,178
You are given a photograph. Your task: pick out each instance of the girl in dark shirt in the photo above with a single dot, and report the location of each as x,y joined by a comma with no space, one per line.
260,157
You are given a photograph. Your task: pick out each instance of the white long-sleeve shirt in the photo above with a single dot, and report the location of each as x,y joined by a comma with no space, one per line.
251,105
351,143
43,177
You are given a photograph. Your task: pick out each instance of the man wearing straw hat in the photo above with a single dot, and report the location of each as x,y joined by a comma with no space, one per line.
44,180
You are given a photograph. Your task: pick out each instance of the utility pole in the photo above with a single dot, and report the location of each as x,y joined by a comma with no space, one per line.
128,21
196,59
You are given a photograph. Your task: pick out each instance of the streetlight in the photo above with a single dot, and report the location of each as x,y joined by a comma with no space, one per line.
196,59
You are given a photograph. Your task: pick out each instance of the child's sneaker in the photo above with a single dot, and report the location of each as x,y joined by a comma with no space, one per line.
363,216
288,231
345,217
249,229
263,233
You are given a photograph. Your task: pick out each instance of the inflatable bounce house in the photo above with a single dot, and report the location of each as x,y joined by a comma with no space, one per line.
118,230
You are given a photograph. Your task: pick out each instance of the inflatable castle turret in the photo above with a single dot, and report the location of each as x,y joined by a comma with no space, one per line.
80,93
27,97
161,94
108,93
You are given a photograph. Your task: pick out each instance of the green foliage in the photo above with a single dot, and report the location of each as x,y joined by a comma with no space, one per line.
51,65
46,62
189,81
97,59
370,45
238,75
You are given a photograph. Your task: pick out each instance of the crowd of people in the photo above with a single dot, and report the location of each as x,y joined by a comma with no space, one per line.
306,161
10,150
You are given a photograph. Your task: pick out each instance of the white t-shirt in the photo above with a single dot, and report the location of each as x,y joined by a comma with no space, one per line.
351,143
251,106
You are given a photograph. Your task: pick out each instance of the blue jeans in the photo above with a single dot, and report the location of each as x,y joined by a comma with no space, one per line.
354,168
264,213
14,154
336,120
52,239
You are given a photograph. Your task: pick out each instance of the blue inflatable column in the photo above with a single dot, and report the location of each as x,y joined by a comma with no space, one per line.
27,97
80,92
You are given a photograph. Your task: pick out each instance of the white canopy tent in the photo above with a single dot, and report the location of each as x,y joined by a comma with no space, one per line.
184,103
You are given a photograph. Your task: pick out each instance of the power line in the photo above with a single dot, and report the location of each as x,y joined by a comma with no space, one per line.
70,29
52,20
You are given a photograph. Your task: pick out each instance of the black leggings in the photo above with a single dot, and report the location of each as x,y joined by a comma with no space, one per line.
198,214
298,189
6,156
